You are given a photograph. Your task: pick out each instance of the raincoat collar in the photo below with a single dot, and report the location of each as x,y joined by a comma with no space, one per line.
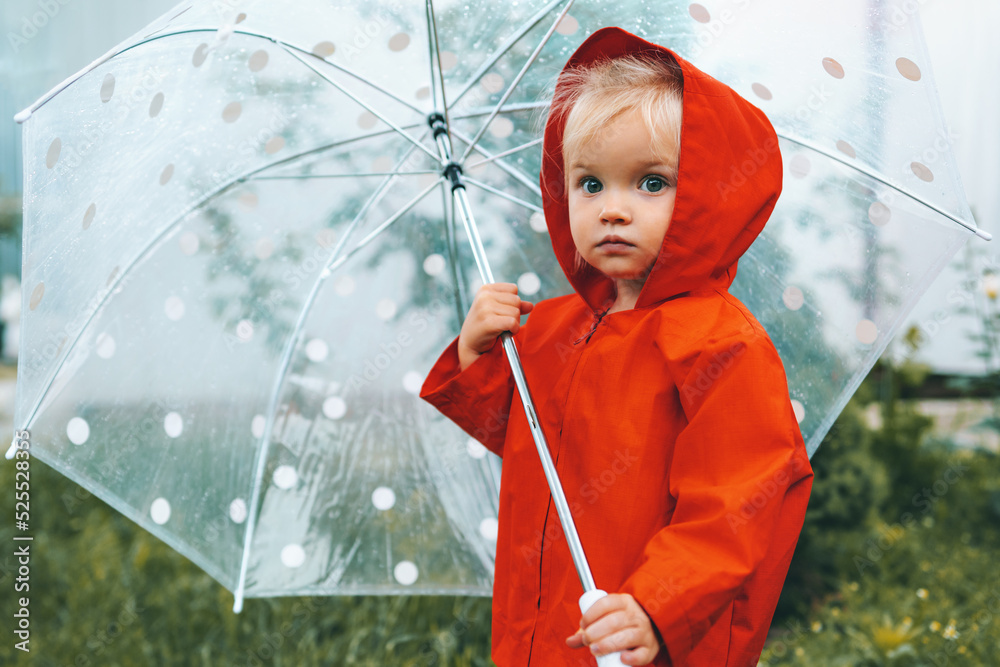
729,179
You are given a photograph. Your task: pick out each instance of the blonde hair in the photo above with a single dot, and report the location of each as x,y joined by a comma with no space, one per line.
599,93
591,97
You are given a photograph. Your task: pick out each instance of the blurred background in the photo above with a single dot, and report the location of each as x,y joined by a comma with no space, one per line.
896,564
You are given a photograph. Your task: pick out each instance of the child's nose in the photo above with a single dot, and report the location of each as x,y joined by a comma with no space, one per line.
615,210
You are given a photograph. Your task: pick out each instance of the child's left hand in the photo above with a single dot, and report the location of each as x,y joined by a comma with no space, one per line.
617,623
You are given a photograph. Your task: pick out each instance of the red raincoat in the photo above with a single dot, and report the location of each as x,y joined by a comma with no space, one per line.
670,424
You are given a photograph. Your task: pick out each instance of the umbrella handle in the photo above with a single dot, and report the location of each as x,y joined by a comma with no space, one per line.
586,601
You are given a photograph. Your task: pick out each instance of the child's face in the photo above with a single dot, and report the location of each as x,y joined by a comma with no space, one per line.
621,198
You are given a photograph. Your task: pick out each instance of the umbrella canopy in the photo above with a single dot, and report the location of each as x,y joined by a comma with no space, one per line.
241,256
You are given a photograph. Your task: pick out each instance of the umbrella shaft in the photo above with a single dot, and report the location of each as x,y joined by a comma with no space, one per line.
453,172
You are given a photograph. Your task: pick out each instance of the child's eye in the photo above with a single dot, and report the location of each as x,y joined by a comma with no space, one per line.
591,185
654,183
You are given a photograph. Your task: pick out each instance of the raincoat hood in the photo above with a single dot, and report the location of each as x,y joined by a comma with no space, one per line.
729,179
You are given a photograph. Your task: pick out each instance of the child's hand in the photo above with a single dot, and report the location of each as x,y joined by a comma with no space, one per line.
496,309
617,623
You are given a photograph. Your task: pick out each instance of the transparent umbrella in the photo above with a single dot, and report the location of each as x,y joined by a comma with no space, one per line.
241,256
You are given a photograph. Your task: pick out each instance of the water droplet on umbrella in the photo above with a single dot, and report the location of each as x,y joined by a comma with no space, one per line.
36,296
77,430
488,529
799,166
423,92
383,498
866,331
385,309
833,68
292,555
699,13
200,54
537,222
156,105
334,407
448,60
174,308
793,297
879,214
241,17
173,424
475,448
159,511
238,511
405,572
761,91
324,49
105,346
285,477
107,87
568,25
258,60
317,350
846,149
922,172
434,264
799,410
188,242
224,32
257,425
52,156
367,120
244,330
908,69
232,112
166,174
399,41
529,283
412,382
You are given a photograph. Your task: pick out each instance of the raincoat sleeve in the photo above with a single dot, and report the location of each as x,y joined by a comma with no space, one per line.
477,399
740,480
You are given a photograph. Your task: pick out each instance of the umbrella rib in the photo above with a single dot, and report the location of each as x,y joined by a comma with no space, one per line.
358,175
26,113
864,169
504,48
286,359
155,240
406,135
511,151
385,225
512,171
435,57
510,108
517,80
501,193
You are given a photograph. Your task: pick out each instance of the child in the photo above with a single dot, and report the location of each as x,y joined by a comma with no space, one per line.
663,400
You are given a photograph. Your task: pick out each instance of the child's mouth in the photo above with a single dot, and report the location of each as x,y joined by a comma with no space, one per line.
615,244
